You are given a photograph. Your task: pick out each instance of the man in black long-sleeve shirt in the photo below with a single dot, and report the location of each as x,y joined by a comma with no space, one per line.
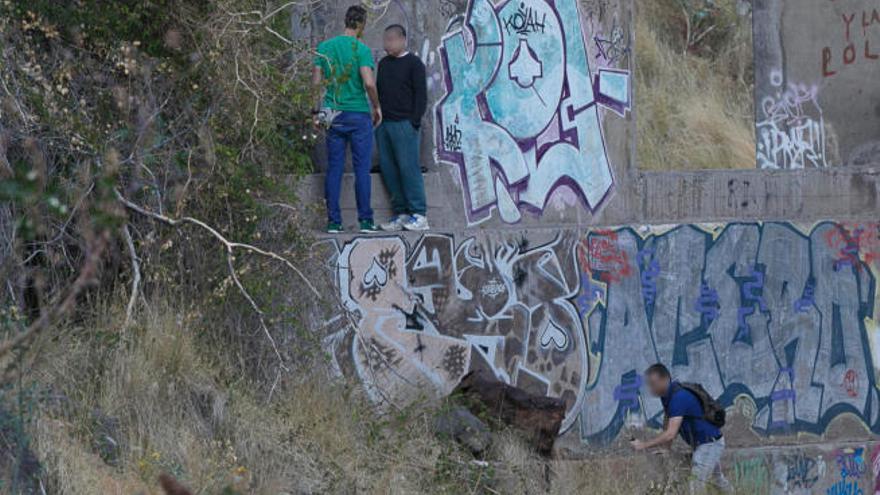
403,96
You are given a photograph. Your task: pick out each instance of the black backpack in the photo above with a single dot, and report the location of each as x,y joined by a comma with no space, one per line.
713,412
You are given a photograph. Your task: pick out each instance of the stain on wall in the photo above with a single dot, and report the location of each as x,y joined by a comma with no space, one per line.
778,315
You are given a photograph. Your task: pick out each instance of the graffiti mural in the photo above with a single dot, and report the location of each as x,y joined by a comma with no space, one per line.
757,310
776,319
428,314
798,473
525,58
791,129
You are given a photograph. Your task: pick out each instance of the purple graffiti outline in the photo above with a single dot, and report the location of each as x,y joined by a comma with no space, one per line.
783,395
751,295
707,304
629,392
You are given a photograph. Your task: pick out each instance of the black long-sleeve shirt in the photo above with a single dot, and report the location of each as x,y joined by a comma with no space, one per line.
403,88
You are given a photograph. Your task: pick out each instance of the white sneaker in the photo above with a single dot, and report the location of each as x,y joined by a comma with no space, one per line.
395,224
417,223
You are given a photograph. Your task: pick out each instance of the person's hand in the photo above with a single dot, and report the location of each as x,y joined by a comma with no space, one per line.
377,116
638,445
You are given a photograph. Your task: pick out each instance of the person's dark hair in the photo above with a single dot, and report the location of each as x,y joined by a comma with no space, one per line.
659,370
397,27
355,17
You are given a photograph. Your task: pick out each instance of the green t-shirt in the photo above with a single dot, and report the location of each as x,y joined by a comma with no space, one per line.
341,59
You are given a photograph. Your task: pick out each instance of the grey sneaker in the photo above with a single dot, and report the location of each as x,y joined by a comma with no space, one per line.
395,224
417,223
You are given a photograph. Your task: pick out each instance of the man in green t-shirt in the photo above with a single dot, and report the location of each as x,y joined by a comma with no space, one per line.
344,69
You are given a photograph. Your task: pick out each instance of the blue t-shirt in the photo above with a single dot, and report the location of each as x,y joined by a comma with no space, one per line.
694,429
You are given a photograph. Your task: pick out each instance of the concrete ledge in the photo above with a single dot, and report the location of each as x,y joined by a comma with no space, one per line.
652,198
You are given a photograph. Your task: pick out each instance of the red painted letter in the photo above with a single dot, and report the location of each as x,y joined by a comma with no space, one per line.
849,54
848,21
868,54
826,61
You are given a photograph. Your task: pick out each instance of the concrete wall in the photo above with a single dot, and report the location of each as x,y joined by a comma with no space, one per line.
805,469
556,263
818,100
802,470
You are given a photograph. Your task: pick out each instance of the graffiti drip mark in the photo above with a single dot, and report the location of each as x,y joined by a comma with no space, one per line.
420,347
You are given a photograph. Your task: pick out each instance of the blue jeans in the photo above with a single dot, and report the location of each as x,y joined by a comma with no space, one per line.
355,129
399,160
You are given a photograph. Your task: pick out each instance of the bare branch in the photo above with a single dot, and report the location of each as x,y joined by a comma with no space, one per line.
230,257
136,275
229,245
261,316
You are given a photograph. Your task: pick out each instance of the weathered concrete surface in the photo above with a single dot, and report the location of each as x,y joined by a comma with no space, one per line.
655,197
847,468
817,67
761,284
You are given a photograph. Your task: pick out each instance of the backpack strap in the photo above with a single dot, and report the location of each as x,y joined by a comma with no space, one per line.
677,386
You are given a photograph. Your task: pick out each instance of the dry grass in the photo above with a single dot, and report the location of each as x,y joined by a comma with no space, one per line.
171,406
694,111
162,394
173,412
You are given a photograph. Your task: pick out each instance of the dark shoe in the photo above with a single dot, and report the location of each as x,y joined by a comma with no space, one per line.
334,228
368,227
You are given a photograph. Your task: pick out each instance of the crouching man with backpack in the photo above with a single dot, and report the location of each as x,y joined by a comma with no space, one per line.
692,413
